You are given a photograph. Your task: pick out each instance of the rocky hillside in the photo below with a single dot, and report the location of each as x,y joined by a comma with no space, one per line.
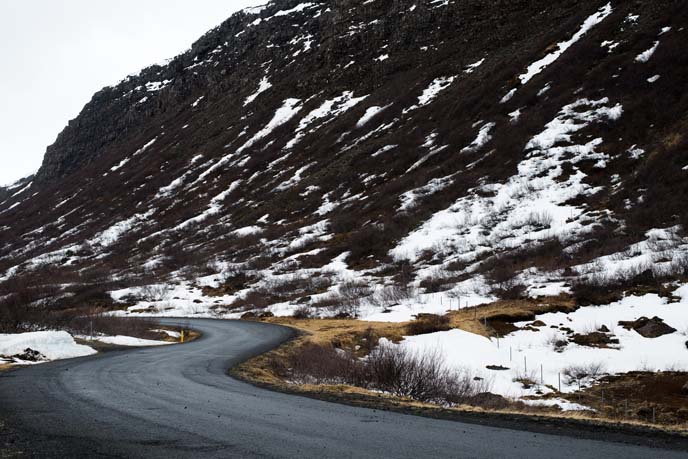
379,149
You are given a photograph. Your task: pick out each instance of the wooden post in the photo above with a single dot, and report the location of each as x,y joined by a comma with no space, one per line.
181,337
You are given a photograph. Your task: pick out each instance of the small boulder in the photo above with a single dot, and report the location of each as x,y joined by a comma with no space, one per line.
648,328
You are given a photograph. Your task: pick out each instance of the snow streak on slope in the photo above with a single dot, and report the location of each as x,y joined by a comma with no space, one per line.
538,66
528,207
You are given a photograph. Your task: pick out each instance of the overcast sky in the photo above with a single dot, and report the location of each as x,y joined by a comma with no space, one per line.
54,54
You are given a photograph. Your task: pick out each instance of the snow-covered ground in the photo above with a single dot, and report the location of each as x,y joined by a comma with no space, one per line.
45,346
53,345
531,353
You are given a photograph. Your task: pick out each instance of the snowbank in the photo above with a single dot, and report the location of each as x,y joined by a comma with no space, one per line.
54,345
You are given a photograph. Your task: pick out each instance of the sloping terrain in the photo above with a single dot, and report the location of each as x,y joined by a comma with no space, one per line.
375,158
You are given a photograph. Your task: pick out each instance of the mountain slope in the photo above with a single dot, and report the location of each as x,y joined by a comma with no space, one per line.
476,147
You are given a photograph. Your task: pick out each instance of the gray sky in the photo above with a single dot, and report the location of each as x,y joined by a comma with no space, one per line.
55,54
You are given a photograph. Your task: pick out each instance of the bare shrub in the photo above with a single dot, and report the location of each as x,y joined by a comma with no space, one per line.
579,373
436,281
354,290
504,283
303,312
392,295
391,369
156,292
538,220
423,377
317,364
679,265
110,325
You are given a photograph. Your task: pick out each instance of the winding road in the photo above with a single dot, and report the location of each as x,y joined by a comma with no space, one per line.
178,401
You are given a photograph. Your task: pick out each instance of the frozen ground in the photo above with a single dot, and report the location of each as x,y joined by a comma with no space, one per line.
53,345
531,353
45,346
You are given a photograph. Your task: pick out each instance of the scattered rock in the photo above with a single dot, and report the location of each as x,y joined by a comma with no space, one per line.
594,339
29,355
648,328
537,323
603,329
496,367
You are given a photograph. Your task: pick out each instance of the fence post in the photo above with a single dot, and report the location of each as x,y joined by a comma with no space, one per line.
542,378
559,383
653,415
525,365
510,357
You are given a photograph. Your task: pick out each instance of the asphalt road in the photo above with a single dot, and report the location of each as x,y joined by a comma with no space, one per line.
178,401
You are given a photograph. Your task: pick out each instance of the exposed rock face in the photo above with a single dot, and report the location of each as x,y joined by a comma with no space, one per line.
464,137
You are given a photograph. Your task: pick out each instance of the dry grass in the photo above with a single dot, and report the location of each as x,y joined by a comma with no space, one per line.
496,318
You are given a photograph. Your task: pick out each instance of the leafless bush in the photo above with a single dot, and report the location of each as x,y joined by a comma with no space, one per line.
679,265
504,282
526,379
303,312
436,281
324,365
354,290
109,325
421,376
391,369
579,373
392,295
155,292
538,220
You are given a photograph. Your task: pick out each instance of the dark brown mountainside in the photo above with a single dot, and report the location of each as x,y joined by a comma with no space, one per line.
478,146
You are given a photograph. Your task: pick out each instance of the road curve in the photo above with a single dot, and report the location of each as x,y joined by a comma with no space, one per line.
178,401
